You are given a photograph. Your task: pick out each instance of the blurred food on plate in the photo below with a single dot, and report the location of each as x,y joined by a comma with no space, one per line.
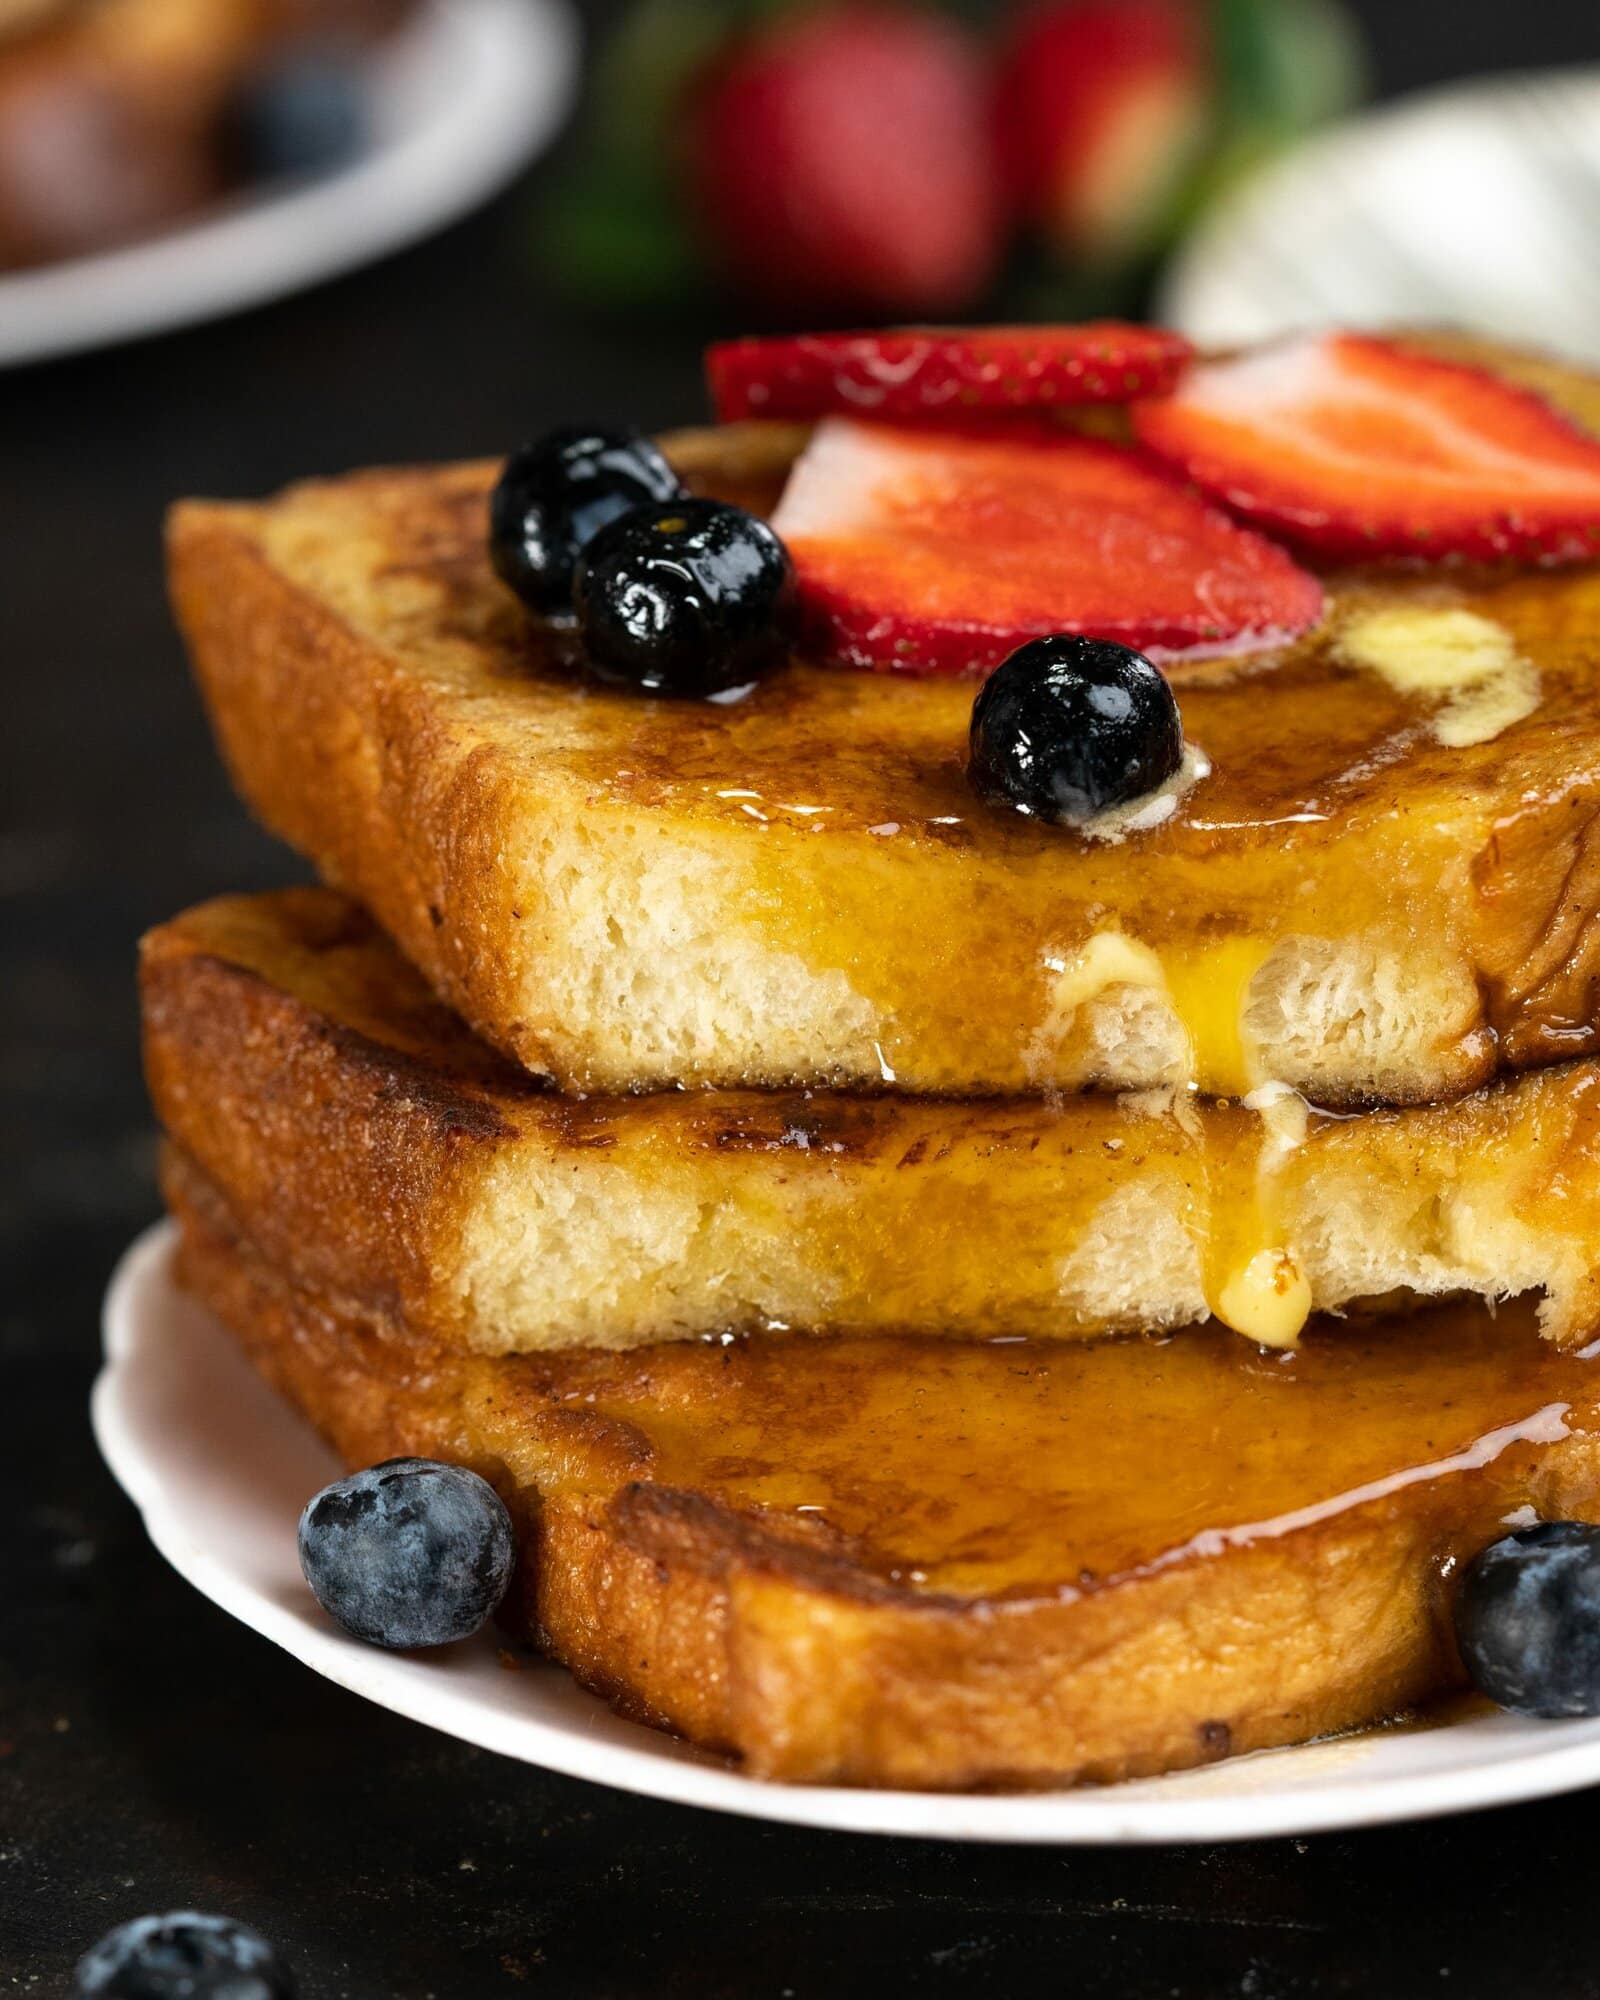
882,158
119,116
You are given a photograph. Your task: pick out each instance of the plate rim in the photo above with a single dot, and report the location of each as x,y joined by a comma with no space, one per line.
660,1767
1188,293
522,59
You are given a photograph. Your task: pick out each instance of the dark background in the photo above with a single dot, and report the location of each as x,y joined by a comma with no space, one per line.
152,1753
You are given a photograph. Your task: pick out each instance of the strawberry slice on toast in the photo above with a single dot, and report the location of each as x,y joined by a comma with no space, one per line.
914,372
941,551
1355,447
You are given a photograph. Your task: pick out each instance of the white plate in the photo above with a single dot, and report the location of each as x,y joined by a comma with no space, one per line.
1471,206
461,99
220,1469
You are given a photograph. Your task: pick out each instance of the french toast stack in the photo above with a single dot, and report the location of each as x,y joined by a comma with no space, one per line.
952,1294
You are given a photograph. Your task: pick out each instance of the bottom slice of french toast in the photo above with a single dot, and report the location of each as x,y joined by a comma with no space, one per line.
962,1564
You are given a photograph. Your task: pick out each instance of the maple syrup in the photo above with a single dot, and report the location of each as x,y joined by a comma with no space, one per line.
1009,1468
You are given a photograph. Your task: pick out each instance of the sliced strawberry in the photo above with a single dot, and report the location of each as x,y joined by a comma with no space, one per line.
921,371
940,551
1355,448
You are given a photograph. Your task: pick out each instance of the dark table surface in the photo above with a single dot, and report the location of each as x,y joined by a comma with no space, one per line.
153,1753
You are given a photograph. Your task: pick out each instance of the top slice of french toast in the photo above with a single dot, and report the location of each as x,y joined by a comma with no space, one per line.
1377,893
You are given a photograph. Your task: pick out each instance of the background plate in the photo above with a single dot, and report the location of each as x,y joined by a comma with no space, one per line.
462,98
220,1470
1473,206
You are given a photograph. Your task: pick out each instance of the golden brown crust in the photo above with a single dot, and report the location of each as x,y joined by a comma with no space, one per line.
800,888
346,1151
366,770
651,1569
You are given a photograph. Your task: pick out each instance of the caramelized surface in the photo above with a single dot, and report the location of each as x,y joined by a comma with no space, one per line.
1007,1468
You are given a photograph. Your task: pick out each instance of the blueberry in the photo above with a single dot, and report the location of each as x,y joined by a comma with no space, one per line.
305,113
1527,1620
1067,727
690,598
554,496
408,1553
184,1956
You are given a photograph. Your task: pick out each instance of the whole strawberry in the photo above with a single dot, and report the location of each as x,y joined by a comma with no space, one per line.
840,158
1101,109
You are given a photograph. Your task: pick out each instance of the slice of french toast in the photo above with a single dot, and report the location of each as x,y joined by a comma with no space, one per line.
952,1564
1384,890
376,1150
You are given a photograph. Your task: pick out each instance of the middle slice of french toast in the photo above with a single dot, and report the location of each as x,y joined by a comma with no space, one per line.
385,1158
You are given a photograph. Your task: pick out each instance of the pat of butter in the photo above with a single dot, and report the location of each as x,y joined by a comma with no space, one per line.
1154,809
1468,664
1267,1300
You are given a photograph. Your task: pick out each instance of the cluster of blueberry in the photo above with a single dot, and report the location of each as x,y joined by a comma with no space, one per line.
678,596
671,595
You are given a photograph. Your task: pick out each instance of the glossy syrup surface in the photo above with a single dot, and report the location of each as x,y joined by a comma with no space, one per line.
1299,736
1019,1467
835,808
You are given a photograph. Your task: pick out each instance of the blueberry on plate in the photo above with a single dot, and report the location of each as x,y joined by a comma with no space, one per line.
408,1553
1068,727
1527,1620
182,1956
691,598
553,497
305,113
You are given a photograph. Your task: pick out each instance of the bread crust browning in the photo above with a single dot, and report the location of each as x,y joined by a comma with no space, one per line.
353,1152
754,1630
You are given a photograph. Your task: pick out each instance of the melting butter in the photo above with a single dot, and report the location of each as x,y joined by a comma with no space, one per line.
1267,1300
1467,663
1251,1274
1207,990
1154,807
1285,1115
1252,1277
1108,959
1261,1289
